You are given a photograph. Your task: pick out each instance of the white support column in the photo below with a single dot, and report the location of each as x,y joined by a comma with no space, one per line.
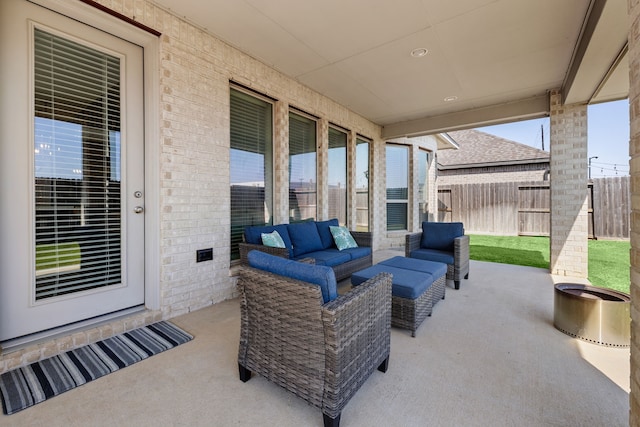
569,202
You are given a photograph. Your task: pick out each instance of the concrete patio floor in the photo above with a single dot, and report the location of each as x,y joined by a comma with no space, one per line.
489,356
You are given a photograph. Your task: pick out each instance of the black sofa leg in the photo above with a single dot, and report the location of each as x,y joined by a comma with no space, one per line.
384,365
245,374
457,284
331,422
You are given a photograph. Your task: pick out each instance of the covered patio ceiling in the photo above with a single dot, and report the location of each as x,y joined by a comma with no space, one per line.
487,61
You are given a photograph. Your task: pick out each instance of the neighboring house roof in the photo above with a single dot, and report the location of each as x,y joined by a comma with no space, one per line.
480,149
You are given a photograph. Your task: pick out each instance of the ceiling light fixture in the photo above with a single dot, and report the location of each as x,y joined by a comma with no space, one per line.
450,98
419,52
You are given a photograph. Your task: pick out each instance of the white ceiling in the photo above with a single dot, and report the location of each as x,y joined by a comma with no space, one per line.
499,58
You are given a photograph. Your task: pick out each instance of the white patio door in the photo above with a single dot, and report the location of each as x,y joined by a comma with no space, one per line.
71,171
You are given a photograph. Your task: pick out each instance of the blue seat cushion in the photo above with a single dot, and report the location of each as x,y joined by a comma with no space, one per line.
325,234
254,235
433,255
440,235
359,252
407,284
304,237
320,275
436,269
330,257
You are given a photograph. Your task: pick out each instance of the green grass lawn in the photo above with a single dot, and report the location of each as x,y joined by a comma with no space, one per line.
608,260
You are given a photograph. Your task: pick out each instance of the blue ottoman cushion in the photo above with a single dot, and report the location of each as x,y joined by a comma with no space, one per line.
406,283
436,269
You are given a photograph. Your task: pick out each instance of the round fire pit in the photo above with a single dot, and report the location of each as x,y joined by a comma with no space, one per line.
597,315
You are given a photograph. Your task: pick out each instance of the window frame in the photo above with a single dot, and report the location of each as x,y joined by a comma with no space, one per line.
303,217
390,201
268,163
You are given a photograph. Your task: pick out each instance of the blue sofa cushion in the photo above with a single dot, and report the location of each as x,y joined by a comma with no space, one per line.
330,257
320,275
254,235
433,255
305,238
325,234
359,252
440,235
407,284
436,269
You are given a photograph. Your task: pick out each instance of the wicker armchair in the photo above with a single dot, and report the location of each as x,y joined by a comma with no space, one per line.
342,271
329,349
455,255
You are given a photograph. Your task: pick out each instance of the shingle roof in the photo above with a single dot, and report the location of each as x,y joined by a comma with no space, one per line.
480,148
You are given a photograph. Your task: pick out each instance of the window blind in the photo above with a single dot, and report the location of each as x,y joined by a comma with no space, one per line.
77,166
302,168
337,175
250,164
362,185
397,163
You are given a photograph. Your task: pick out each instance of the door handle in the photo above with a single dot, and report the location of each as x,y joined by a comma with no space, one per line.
138,209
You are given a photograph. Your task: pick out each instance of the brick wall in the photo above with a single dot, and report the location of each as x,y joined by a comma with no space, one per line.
511,173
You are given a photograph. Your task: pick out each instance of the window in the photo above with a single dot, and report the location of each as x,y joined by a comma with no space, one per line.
362,185
338,175
77,167
397,159
302,168
423,186
251,164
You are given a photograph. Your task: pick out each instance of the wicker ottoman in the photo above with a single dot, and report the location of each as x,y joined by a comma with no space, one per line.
412,293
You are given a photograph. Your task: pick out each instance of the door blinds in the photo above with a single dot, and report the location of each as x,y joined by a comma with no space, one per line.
77,167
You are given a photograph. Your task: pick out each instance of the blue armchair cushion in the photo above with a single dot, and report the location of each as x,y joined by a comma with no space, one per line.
440,235
325,234
254,235
433,255
320,275
305,238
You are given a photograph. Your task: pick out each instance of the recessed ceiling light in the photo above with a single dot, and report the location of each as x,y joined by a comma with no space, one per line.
419,52
450,98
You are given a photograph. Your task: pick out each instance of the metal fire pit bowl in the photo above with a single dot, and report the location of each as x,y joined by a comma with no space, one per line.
597,315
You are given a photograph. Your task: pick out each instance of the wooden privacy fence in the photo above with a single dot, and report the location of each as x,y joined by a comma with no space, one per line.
524,208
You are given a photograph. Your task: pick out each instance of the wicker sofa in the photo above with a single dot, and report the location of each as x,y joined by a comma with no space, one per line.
320,351
312,240
441,242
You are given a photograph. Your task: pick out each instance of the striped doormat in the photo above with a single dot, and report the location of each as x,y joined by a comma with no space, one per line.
39,381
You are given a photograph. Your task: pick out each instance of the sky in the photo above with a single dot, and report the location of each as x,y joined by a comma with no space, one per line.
608,136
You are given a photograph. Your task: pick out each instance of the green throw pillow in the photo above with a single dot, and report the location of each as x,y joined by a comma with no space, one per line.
343,238
272,239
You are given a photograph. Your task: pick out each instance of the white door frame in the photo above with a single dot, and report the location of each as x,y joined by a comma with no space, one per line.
151,46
